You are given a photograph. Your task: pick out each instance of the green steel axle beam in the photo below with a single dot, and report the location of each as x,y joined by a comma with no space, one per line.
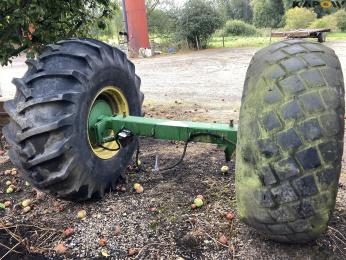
224,135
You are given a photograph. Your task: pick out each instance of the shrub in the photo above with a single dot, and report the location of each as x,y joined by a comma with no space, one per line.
299,18
197,22
341,19
328,21
237,27
336,21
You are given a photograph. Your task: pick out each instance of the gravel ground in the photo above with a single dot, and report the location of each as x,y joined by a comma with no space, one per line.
159,223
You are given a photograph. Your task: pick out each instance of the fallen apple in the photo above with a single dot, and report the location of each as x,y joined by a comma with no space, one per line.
8,204
26,209
224,169
60,249
9,190
136,186
68,232
200,197
198,202
140,189
230,216
26,202
223,239
105,253
81,214
102,242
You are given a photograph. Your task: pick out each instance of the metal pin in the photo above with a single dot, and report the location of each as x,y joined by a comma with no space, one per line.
231,123
156,167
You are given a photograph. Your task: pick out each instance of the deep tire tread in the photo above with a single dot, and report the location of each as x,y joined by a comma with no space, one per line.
62,122
34,146
22,87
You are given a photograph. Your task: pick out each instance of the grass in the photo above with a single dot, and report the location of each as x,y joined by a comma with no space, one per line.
259,41
233,41
240,41
336,36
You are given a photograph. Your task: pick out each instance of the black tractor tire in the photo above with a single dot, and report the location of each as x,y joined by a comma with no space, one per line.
290,140
49,118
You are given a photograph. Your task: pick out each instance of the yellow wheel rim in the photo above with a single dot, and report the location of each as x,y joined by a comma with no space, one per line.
108,101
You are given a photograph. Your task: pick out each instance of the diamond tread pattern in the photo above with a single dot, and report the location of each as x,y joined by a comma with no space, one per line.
290,140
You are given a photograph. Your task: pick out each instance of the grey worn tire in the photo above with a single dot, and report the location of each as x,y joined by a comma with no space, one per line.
290,140
49,118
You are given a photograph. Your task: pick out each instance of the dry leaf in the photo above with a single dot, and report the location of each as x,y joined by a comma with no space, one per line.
117,230
132,251
40,195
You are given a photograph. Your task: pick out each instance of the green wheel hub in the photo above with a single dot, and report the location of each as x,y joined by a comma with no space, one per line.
108,102
100,108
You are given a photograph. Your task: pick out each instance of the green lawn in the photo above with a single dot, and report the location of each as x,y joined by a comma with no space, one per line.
335,36
240,41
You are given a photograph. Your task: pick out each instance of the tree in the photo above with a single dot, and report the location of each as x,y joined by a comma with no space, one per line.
267,13
236,9
198,20
28,25
161,22
161,17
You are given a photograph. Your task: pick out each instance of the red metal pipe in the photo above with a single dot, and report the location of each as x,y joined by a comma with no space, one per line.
137,24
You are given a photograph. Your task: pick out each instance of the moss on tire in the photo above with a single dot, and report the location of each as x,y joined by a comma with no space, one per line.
290,140
48,130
